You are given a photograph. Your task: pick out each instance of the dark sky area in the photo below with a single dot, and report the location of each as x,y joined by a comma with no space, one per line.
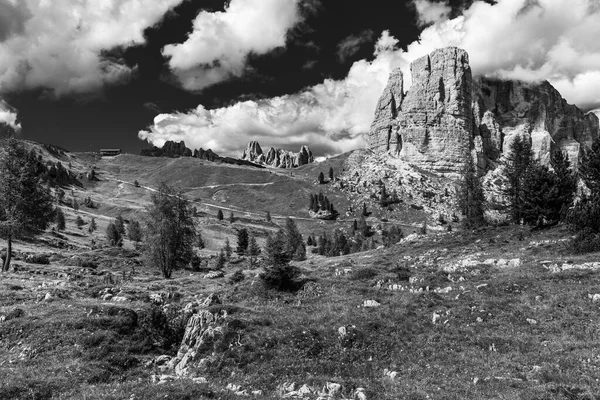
113,115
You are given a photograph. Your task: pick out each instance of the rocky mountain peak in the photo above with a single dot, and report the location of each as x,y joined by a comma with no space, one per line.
447,112
276,157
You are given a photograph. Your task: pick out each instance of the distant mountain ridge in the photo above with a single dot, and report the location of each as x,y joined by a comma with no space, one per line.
253,155
179,149
276,157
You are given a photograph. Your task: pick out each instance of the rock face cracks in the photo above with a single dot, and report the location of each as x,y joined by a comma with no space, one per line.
447,115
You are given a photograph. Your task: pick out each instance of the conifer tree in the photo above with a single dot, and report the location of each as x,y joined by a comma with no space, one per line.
120,224
231,217
113,235
253,250
268,216
321,178
60,219
276,254
220,215
331,174
200,240
220,260
242,241
227,249
92,226
25,204
294,242
135,232
471,196
517,163
79,222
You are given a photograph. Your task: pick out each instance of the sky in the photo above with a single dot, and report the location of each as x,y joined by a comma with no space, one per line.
89,74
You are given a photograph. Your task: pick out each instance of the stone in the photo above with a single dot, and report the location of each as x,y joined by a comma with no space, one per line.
359,394
214,275
594,297
371,303
201,330
48,297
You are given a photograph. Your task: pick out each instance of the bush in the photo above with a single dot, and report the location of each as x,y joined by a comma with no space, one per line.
363,274
282,278
237,277
42,259
586,241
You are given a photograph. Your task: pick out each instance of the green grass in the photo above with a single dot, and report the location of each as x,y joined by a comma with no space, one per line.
485,344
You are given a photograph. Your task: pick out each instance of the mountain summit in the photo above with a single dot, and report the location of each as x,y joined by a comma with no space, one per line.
447,112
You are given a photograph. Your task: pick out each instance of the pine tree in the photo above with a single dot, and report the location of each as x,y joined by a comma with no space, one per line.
471,196
275,250
113,235
25,204
92,227
321,178
120,224
227,249
199,240
170,231
589,166
364,210
231,218
79,222
220,260
60,219
135,232
220,215
309,241
268,216
517,162
75,204
242,241
253,250
294,241
331,173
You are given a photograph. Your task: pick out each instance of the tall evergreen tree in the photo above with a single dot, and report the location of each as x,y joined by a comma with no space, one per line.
519,159
220,215
120,224
231,217
25,204
253,250
294,241
135,232
60,219
242,241
331,174
471,196
92,227
589,166
321,178
170,231
275,250
113,235
268,216
227,249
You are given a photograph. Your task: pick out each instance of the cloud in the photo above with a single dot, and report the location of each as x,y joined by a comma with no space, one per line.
220,42
58,45
513,39
8,115
352,44
429,12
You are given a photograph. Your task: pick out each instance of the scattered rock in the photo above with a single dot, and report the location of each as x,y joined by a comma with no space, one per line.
390,374
594,297
214,275
531,321
371,303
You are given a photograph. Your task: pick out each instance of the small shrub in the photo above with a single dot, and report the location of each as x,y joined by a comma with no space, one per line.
42,259
363,274
282,278
237,277
586,241
403,272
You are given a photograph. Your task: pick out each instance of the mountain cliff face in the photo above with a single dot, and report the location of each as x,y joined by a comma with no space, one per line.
446,113
277,158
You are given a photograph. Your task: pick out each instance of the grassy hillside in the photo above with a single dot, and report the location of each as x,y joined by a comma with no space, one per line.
520,330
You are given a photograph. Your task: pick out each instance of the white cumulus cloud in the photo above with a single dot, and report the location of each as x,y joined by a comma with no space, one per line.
221,41
8,116
58,44
551,40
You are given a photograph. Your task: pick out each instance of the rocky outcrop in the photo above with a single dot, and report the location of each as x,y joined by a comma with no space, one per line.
277,158
503,110
382,128
169,149
446,113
